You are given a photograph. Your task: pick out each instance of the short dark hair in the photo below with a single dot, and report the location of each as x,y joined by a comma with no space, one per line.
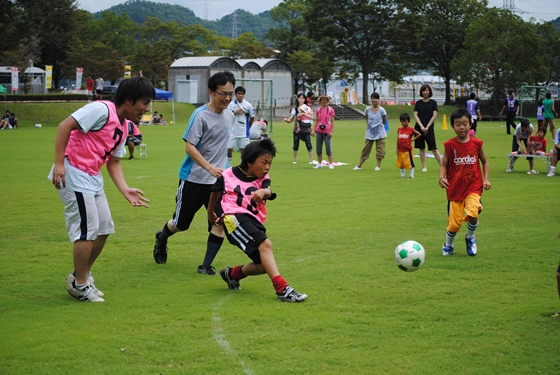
548,95
473,95
375,95
542,129
458,113
511,92
404,116
134,89
524,122
240,89
255,149
424,87
220,79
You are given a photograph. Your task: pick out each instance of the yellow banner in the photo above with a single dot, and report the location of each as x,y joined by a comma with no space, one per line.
127,71
48,69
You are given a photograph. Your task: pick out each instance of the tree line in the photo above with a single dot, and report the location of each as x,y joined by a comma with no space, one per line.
462,40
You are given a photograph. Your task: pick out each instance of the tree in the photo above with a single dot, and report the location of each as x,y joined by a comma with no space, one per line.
551,54
291,39
367,32
440,27
499,55
246,46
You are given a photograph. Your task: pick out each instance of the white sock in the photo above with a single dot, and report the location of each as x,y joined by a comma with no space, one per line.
412,172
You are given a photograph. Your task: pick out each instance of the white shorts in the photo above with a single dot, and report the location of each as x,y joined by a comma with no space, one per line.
237,143
89,92
87,216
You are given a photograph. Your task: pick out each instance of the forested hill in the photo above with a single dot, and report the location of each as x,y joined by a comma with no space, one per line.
246,22
556,23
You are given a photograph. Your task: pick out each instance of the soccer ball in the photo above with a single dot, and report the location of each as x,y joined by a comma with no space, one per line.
409,255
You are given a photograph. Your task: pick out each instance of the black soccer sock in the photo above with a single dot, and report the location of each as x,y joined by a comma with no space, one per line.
212,247
164,235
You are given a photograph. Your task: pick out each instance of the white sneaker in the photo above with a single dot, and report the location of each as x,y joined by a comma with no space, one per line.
532,171
88,294
295,161
311,162
319,165
509,170
424,169
92,285
71,279
331,166
377,169
552,173
356,168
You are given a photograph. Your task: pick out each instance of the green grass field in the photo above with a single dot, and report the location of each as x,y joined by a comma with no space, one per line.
333,231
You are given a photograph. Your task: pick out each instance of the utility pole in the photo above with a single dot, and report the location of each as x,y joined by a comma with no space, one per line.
205,10
234,26
510,5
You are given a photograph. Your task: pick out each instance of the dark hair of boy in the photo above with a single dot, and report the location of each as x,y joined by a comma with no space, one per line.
256,149
134,89
240,89
458,113
473,95
404,116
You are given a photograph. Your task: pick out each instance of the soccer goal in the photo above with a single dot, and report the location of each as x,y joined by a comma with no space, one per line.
529,97
259,92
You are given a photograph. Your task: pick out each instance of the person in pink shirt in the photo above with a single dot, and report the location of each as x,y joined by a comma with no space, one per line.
324,127
89,138
238,206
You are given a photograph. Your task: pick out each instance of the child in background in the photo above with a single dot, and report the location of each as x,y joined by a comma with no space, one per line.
238,202
540,115
461,176
474,109
324,126
376,116
538,143
405,156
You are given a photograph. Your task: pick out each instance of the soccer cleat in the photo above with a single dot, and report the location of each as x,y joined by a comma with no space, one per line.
446,250
509,170
290,295
331,166
92,285
232,283
318,165
160,252
85,295
377,169
70,280
552,173
356,168
532,171
424,169
471,246
207,270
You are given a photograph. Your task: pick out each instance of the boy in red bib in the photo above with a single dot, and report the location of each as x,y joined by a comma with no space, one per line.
238,203
461,176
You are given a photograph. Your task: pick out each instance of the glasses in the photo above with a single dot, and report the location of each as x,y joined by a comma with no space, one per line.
224,94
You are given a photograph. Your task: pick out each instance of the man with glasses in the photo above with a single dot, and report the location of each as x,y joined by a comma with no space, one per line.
244,117
206,139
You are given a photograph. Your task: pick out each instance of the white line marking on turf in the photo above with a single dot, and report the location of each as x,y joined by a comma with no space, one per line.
221,338
143,176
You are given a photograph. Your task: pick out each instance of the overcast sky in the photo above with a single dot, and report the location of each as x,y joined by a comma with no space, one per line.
539,9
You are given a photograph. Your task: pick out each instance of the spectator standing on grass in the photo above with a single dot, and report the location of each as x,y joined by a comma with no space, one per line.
425,114
133,139
91,137
540,116
238,206
405,136
461,176
244,117
549,113
89,88
376,116
302,115
99,84
519,144
324,127
511,106
474,109
206,139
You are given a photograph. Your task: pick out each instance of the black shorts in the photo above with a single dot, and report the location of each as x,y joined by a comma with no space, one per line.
429,138
189,199
245,232
136,139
